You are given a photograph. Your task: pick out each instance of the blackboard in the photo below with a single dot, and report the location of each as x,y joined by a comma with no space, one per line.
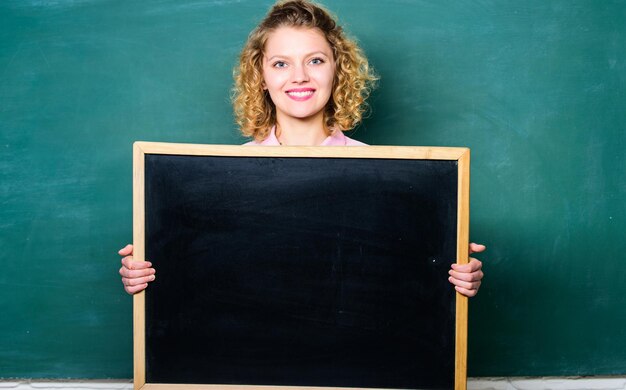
301,267
534,88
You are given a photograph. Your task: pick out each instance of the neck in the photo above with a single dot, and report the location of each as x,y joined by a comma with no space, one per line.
307,132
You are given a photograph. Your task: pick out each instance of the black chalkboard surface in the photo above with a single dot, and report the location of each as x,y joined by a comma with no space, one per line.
298,267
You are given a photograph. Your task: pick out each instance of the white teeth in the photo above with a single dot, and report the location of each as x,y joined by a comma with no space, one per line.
300,94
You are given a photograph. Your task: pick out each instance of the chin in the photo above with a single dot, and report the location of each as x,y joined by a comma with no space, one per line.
304,114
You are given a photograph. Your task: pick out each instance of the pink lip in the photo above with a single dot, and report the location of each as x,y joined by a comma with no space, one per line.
300,94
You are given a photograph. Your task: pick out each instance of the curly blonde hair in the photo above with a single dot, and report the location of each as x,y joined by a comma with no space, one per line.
255,112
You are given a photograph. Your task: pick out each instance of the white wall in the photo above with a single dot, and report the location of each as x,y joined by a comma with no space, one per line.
612,383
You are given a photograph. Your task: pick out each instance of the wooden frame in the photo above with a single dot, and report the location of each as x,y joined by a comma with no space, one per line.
141,149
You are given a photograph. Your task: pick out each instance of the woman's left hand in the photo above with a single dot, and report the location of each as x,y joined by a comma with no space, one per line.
466,278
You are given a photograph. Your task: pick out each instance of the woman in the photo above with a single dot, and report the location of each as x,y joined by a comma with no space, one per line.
300,81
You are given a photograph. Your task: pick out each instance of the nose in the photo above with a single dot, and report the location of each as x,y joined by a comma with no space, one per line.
300,74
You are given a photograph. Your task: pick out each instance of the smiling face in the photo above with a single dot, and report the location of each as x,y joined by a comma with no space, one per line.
298,73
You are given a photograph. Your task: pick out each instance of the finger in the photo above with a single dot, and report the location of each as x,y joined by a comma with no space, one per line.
126,251
128,273
473,266
464,285
476,248
131,282
466,292
467,277
130,263
135,289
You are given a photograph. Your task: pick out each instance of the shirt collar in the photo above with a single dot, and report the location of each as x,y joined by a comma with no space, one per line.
336,138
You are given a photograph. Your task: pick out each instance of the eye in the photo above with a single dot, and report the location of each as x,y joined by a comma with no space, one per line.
316,61
279,64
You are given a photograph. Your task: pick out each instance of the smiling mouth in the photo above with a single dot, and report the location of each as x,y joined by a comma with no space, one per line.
300,94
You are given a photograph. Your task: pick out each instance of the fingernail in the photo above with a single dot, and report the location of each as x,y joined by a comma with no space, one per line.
152,278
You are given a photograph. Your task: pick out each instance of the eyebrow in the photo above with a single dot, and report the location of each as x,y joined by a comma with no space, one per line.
308,55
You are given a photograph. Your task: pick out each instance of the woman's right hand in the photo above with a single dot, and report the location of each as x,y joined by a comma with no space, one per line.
135,274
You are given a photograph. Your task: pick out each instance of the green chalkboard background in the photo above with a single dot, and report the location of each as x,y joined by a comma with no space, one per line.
536,88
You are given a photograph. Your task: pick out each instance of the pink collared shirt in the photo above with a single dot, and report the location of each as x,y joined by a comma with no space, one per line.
337,138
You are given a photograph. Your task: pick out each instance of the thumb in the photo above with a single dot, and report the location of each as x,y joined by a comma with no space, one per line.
126,251
476,248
